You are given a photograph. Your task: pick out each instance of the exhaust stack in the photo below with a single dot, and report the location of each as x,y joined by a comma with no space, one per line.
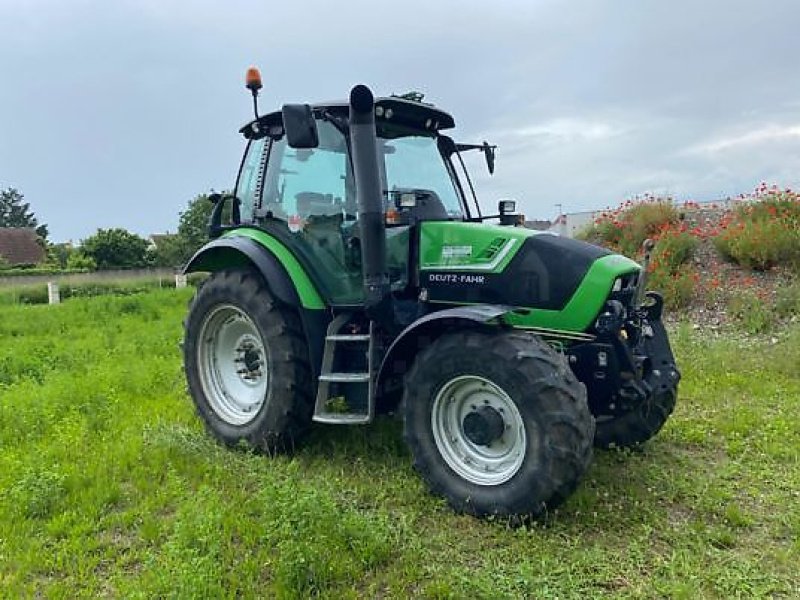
377,291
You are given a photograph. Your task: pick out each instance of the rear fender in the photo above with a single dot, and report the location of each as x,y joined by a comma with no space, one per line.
240,251
224,253
419,334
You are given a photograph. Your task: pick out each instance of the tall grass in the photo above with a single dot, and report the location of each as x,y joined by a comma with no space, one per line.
119,286
109,487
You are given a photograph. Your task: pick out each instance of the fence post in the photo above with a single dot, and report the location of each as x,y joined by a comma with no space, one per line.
53,295
180,280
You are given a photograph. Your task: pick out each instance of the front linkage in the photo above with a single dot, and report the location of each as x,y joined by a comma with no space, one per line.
629,369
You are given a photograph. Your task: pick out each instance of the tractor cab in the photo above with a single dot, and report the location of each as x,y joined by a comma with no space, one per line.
306,196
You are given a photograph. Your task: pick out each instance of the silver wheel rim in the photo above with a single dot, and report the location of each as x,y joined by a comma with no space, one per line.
233,364
487,465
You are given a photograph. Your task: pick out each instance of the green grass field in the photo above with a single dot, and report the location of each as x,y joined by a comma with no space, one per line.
110,487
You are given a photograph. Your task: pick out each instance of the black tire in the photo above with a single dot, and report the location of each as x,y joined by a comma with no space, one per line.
632,429
552,409
284,413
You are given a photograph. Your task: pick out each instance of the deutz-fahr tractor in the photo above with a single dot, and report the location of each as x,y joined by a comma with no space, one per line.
356,275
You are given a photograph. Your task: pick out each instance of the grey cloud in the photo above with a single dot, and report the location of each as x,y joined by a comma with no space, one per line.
118,113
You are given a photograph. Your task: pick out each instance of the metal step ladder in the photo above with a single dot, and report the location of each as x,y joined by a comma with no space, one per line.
354,387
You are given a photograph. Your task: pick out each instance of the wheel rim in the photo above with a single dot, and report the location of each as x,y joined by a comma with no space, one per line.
233,364
482,464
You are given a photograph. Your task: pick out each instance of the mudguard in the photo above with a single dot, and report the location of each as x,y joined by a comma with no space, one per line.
235,251
401,353
239,251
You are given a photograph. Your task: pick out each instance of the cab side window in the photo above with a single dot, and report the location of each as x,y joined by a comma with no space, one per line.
248,186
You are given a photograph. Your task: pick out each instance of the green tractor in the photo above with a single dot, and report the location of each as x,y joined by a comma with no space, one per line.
357,276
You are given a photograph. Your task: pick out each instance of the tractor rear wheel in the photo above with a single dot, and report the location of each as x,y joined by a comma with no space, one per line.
497,423
246,363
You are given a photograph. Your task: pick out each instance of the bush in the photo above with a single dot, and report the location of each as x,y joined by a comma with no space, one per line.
37,293
626,228
674,248
677,287
29,271
78,260
116,248
763,232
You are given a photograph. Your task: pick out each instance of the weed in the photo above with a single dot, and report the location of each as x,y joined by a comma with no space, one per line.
751,311
787,300
36,493
763,231
626,227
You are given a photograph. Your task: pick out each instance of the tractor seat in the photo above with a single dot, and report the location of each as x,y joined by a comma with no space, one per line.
322,230
313,203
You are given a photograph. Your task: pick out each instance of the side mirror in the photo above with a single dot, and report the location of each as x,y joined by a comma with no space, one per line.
299,126
488,151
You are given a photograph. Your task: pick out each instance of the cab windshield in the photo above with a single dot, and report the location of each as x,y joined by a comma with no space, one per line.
414,162
297,179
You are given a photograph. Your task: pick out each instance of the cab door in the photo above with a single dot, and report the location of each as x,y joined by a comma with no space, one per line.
308,202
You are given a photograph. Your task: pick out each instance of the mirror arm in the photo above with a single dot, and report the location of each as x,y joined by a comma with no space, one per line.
338,122
215,226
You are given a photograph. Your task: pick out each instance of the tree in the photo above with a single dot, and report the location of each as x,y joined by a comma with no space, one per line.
58,255
116,248
78,260
192,232
193,223
15,212
170,251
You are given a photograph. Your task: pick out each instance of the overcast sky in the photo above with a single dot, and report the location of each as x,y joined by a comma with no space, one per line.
116,112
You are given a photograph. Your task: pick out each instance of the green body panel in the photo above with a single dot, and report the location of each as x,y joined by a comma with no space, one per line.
309,296
469,246
480,248
586,302
476,248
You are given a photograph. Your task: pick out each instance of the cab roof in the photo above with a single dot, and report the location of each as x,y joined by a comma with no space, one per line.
388,110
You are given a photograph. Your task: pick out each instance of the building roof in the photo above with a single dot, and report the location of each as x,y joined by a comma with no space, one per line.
20,246
158,238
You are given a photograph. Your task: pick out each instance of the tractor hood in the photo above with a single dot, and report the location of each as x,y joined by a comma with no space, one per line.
567,280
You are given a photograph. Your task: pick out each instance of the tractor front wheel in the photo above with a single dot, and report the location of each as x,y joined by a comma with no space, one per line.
246,363
497,423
